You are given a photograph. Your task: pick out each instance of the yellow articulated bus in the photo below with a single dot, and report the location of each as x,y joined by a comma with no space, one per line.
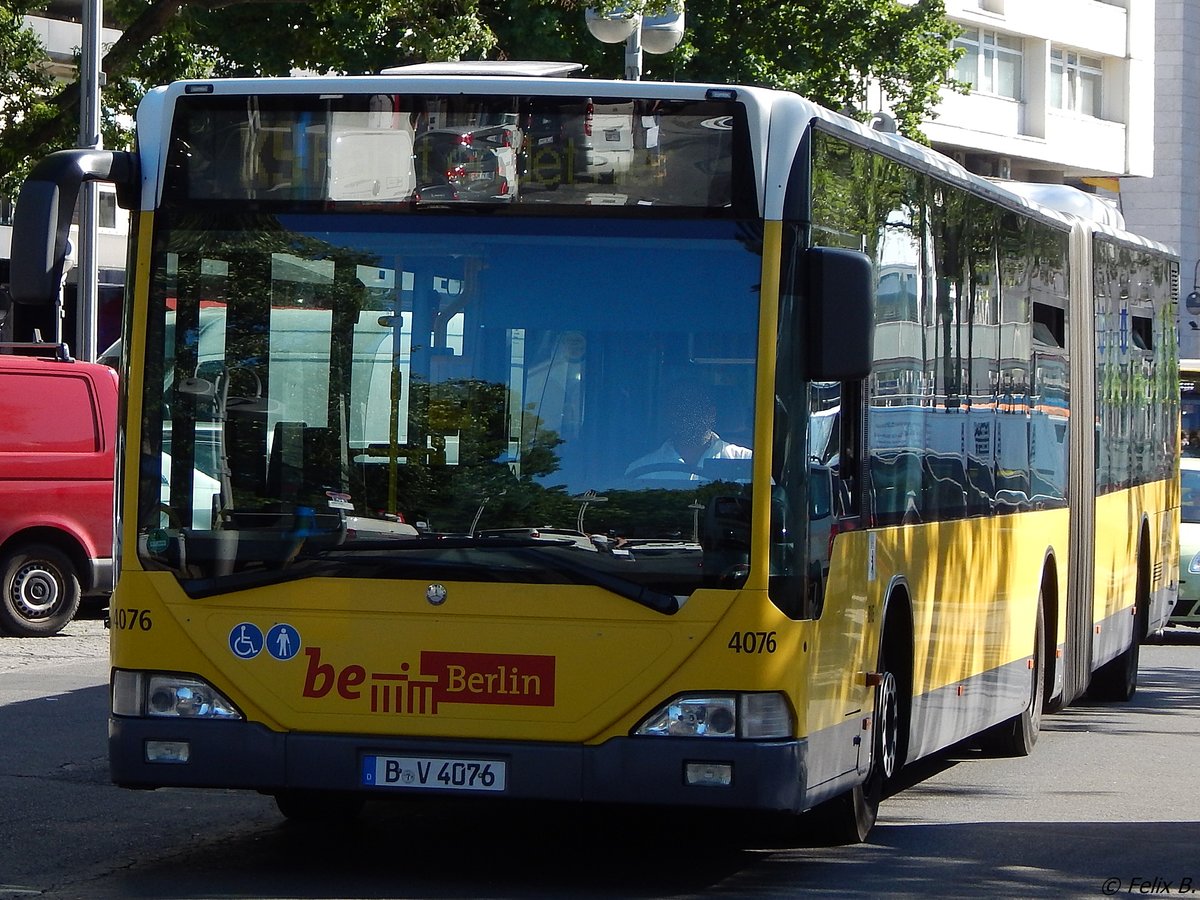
786,456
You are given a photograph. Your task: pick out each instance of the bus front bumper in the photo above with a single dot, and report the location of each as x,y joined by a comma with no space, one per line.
762,775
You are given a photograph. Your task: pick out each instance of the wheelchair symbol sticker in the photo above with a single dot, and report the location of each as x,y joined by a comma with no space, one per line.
283,641
246,640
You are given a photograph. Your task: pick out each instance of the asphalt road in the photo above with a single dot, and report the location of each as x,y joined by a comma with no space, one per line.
1107,806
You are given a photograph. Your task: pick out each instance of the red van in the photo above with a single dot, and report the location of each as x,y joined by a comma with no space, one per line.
58,423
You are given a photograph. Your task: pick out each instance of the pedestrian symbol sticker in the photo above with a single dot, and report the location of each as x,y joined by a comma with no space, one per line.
283,641
246,640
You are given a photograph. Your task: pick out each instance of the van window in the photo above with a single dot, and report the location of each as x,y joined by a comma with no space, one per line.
47,414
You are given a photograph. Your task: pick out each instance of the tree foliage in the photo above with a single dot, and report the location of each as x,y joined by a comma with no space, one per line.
824,49
164,40
24,85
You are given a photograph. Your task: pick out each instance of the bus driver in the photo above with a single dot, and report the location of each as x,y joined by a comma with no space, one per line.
691,415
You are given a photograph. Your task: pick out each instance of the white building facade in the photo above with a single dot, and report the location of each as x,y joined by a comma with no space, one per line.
1061,90
1093,93
1167,206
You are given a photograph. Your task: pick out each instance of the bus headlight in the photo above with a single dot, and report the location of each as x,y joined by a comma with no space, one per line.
168,695
757,716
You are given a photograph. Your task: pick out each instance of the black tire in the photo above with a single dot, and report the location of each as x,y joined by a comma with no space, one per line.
1018,735
39,591
849,817
1116,680
319,807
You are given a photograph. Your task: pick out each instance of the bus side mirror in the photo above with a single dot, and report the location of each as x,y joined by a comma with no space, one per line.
42,220
839,297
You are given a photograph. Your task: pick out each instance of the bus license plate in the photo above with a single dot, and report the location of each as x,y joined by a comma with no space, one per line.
434,773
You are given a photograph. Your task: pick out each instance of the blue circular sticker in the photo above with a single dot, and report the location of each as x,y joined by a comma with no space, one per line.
283,641
246,640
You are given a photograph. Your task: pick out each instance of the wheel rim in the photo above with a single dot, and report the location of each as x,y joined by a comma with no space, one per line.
36,591
887,716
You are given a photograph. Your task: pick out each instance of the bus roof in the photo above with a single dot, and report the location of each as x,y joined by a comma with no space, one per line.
505,67
1070,200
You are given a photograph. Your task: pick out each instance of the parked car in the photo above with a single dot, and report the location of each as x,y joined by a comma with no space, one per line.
1187,606
58,424
468,163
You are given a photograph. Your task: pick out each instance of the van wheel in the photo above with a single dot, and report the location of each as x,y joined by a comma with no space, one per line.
40,591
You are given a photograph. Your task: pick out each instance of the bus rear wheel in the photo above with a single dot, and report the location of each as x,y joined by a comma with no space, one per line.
1018,735
1117,678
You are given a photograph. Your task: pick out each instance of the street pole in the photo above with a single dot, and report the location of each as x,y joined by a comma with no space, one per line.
633,53
88,269
650,34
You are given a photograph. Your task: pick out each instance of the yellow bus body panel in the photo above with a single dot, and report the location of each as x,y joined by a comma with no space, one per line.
973,586
520,662
1119,518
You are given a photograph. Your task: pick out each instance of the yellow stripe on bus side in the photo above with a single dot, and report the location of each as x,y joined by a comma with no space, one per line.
764,420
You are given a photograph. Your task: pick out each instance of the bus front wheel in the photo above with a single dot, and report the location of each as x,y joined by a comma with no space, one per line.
849,818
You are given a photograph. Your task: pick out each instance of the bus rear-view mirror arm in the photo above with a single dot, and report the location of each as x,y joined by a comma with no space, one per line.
42,220
839,294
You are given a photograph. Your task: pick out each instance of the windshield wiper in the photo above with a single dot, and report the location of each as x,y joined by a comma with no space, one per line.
557,556
668,604
318,556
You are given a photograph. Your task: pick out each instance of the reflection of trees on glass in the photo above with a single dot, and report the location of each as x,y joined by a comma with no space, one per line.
460,475
968,402
457,460
1137,397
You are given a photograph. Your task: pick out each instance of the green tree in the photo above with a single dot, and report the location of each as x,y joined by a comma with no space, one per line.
24,83
163,40
826,50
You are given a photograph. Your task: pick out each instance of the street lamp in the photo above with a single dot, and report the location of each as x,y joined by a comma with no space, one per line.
585,500
651,34
695,506
1192,302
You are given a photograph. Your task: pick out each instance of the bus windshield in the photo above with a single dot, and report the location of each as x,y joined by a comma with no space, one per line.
563,400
